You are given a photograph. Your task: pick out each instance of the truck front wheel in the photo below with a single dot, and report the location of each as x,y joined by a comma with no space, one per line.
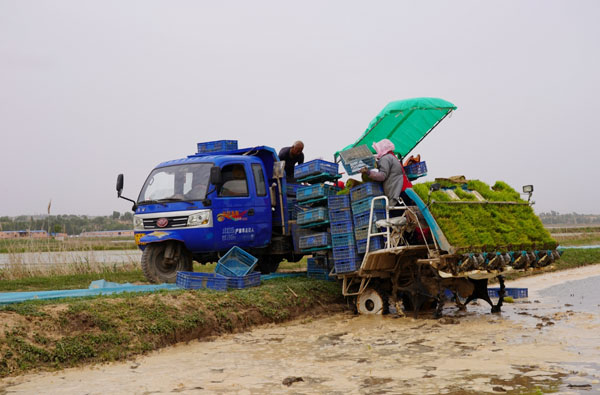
162,261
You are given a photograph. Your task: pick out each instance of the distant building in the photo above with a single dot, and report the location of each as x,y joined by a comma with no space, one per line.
17,234
108,233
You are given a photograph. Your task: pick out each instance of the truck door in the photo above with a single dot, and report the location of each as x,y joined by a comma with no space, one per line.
242,212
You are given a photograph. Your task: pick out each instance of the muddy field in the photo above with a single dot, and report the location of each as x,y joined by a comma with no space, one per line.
547,343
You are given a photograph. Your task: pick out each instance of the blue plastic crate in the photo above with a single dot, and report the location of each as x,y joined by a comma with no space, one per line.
344,253
317,214
347,266
236,263
316,240
317,271
315,191
193,280
362,219
360,233
316,166
251,280
365,205
217,146
515,293
340,215
416,170
291,189
345,239
365,190
356,158
337,202
377,243
341,227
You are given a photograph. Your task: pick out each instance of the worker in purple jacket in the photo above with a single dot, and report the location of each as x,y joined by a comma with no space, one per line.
292,155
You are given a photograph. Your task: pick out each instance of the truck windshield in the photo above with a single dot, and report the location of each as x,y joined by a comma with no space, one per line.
179,182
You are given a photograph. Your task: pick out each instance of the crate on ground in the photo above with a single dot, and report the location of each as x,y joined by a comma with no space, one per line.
416,170
217,146
365,205
236,262
365,190
376,243
338,202
315,191
341,227
340,215
362,219
345,253
194,280
356,158
322,239
515,293
316,166
313,215
251,280
348,266
361,233
345,239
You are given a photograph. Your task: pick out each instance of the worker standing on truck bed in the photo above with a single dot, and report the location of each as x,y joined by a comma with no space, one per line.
291,156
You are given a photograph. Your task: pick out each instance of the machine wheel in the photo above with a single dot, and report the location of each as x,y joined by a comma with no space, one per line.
162,261
369,302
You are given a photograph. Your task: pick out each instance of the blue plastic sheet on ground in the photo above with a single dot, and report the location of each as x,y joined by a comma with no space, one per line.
281,275
578,247
99,287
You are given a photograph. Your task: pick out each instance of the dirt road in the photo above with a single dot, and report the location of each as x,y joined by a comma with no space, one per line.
532,344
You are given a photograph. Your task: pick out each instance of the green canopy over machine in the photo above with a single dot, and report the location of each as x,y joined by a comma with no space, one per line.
405,123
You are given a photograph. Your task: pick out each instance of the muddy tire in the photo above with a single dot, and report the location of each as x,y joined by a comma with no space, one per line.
158,269
370,302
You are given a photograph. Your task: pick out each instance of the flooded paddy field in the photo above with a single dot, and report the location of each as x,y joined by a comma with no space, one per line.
45,259
547,342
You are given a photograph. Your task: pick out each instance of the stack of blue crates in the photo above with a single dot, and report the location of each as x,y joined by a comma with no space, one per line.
345,255
318,267
360,197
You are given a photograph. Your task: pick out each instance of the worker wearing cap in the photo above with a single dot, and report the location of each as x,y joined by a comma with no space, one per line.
292,155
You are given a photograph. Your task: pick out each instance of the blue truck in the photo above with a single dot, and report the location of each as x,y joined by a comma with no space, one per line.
197,208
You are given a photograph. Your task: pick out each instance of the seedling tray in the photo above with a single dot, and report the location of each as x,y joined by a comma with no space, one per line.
338,202
217,146
251,280
236,263
315,191
365,190
365,205
340,215
362,219
316,166
193,280
376,243
317,214
342,227
316,240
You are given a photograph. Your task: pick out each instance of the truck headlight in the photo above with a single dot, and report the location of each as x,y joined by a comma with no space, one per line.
138,223
202,218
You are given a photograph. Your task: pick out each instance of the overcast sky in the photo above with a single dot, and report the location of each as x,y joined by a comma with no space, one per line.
90,89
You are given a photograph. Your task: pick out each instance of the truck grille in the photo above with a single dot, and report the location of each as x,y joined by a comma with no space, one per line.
174,222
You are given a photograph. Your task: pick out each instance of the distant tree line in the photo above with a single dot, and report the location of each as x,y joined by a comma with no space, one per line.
70,224
554,218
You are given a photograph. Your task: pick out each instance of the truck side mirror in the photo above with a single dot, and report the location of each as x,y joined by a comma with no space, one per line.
216,178
119,185
435,187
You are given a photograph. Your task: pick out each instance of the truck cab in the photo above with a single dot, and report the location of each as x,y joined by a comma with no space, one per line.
198,207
